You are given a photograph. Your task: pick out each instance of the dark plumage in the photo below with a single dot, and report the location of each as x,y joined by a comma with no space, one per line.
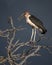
38,23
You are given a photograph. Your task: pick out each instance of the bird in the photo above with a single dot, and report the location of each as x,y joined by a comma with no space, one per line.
35,23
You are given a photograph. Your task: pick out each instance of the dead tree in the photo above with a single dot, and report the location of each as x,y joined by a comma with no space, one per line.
13,56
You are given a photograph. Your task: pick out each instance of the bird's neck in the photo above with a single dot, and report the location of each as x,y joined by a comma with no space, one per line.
28,16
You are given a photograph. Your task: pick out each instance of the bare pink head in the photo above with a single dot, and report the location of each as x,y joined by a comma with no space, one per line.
24,14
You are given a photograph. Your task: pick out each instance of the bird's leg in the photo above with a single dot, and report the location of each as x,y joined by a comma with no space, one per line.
34,35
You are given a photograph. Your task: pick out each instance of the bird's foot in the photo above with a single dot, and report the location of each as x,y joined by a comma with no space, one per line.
31,43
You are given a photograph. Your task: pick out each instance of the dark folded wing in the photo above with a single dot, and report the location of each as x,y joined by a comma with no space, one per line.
38,23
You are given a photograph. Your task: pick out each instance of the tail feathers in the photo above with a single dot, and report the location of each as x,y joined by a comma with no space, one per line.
43,31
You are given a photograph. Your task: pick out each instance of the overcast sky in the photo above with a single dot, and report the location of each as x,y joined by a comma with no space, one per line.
40,8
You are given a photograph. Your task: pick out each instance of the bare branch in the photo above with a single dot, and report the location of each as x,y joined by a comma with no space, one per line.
32,50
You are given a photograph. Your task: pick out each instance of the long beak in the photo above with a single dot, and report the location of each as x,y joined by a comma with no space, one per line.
21,17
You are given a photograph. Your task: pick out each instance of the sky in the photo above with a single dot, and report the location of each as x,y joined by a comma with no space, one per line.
40,8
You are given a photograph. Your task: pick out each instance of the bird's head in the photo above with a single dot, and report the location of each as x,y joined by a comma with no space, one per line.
25,14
